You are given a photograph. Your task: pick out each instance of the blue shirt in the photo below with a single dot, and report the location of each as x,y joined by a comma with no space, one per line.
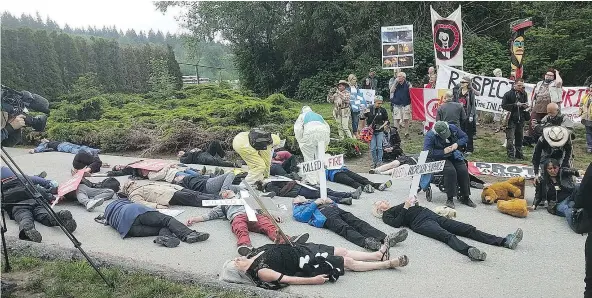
121,214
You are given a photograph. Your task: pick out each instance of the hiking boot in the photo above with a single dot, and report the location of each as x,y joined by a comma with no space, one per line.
368,188
372,244
32,235
467,201
64,215
66,218
397,237
450,203
196,237
300,239
42,174
385,185
519,155
428,192
356,194
94,203
512,240
476,255
345,201
244,250
168,241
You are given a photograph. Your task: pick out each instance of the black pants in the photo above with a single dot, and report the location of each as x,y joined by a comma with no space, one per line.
187,197
514,137
588,278
352,179
288,166
154,223
445,230
213,156
25,216
349,226
470,130
313,194
456,175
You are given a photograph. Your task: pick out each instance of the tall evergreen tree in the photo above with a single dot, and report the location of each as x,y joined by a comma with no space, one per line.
173,68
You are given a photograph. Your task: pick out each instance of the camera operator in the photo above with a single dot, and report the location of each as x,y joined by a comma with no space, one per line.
15,106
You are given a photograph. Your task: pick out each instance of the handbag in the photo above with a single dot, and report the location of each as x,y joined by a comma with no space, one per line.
367,132
580,221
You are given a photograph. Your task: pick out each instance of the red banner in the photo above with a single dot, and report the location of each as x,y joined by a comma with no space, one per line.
70,185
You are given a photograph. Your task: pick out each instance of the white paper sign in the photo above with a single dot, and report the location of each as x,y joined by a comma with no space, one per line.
419,169
171,212
311,166
334,162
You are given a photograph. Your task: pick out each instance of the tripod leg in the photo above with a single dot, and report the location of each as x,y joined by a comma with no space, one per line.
3,230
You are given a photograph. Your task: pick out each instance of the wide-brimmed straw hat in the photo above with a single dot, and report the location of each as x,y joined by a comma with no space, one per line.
344,82
556,136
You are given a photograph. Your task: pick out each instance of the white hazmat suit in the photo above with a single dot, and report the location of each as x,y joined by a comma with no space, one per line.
310,128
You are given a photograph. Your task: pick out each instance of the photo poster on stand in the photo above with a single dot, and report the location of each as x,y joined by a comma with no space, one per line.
397,47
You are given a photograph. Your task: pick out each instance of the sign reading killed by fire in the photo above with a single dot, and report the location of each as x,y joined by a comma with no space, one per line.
397,47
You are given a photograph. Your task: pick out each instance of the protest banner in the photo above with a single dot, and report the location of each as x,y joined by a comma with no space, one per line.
447,33
492,89
424,105
500,169
151,164
397,47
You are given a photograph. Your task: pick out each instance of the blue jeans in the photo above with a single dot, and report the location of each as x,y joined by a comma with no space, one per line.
565,209
355,119
589,137
376,147
74,149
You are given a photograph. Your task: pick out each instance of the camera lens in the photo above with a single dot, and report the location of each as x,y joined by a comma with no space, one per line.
37,123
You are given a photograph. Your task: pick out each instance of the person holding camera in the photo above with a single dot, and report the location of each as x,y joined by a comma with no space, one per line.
516,103
546,91
14,114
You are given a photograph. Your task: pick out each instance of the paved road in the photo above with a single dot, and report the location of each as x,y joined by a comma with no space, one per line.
548,263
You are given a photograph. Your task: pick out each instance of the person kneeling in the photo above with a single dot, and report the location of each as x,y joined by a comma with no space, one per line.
425,222
275,266
443,143
136,220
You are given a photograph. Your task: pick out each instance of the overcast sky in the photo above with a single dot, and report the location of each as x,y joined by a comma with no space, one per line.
124,14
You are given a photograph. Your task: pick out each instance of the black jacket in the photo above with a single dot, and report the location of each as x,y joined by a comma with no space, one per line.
566,183
284,189
398,216
543,151
509,103
377,117
583,199
471,108
84,159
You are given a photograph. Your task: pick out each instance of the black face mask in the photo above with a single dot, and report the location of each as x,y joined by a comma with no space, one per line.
548,80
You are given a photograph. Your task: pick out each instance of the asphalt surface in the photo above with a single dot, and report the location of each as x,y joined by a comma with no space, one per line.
549,262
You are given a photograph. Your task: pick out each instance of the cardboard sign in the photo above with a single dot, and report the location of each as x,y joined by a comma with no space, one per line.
418,169
334,162
251,215
151,164
311,166
71,184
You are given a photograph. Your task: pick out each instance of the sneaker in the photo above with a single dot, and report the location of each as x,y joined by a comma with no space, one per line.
300,239
33,235
218,171
428,192
270,194
512,240
94,203
168,241
244,250
372,244
368,188
476,255
356,194
397,237
345,201
450,203
204,170
385,185
42,174
372,171
467,201
196,237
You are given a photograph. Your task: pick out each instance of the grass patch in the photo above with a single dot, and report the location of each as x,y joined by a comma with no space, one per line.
38,278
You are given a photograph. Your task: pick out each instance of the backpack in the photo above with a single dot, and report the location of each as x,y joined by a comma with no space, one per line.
260,139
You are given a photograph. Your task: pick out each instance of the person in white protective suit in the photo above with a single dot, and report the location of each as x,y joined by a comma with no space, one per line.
256,155
310,128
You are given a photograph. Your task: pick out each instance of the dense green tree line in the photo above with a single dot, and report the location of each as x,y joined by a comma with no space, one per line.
186,49
300,48
49,63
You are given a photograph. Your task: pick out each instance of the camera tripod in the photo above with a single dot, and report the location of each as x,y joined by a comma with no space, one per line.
34,193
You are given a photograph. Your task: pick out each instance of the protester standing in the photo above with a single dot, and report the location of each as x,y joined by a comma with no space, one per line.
465,94
378,118
546,91
428,76
357,102
341,110
515,102
401,101
451,112
310,129
371,82
586,114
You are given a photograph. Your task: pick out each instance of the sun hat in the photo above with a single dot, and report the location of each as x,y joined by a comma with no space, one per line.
344,82
556,136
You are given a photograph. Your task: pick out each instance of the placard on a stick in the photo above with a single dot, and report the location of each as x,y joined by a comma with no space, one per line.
330,163
68,186
251,215
417,170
